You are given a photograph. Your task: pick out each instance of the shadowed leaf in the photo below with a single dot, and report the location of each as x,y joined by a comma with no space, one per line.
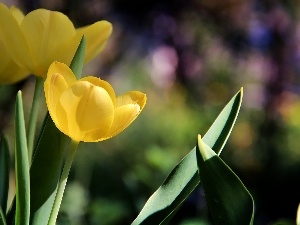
228,200
183,179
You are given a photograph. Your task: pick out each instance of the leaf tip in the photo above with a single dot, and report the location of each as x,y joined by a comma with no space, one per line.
19,93
199,138
205,151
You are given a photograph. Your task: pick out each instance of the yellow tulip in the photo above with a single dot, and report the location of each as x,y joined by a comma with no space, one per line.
36,40
9,71
87,109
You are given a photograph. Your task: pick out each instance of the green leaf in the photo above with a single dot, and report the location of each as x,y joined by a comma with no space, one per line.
48,159
78,60
228,200
2,218
4,173
183,179
21,166
45,171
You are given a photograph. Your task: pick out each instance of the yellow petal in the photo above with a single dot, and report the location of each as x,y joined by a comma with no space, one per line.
130,106
132,97
10,72
64,70
124,116
54,86
59,78
47,32
13,38
101,83
17,13
96,37
88,108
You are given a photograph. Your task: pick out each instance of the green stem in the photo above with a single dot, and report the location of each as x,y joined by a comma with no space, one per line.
34,115
62,183
2,218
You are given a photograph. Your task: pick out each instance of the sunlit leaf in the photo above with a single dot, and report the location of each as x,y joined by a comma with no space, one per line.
228,200
184,178
21,166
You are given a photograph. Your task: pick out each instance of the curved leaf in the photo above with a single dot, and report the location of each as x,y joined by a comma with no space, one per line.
184,178
228,200
48,159
21,166
45,172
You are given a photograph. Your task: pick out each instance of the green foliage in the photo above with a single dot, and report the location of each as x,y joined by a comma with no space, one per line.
228,200
21,167
183,179
2,218
45,171
48,159
78,60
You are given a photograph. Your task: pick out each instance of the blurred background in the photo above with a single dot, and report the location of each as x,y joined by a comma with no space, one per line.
190,57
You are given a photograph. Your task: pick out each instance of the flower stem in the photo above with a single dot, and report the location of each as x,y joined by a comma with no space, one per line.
34,115
62,183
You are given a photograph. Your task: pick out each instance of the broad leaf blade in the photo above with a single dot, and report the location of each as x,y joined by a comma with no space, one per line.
4,173
48,158
45,171
184,178
21,166
228,200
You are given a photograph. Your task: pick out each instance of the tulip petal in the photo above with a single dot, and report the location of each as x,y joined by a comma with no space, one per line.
132,97
59,78
61,68
124,116
129,107
17,13
88,107
13,38
96,38
101,83
10,72
54,86
47,32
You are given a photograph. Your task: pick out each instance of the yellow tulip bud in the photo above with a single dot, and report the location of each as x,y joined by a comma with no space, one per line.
87,109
